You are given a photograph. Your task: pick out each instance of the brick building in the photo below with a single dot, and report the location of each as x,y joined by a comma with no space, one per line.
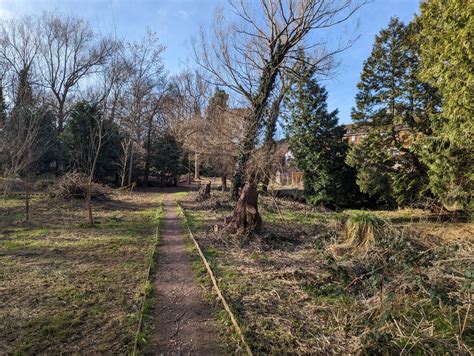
355,133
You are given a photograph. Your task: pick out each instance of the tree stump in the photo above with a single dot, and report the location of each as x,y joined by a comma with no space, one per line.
205,191
245,218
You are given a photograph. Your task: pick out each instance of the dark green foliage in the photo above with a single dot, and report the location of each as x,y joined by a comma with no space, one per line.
167,159
53,148
392,106
217,104
445,38
316,142
24,94
80,139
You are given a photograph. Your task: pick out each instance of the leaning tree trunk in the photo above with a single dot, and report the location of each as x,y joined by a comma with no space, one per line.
254,119
245,217
247,145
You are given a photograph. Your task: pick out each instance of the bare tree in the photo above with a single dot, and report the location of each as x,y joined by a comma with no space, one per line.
89,117
19,43
70,51
192,94
19,48
24,140
97,138
249,52
142,92
23,143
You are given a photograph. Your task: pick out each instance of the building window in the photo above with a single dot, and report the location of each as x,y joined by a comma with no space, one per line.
353,138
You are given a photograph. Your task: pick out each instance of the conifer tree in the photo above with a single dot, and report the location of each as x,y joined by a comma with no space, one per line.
217,104
446,32
316,143
391,107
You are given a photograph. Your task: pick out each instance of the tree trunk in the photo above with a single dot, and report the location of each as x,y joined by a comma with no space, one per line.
246,218
224,182
253,121
27,199
247,145
189,169
61,116
89,204
196,166
130,164
266,182
122,177
148,153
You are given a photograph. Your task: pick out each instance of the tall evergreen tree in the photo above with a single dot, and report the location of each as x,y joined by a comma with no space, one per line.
391,106
316,142
168,159
447,62
217,104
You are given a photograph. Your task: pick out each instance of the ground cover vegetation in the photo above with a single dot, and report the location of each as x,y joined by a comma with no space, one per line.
71,287
350,282
374,255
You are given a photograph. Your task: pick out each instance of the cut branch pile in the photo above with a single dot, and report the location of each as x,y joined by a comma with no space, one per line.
74,185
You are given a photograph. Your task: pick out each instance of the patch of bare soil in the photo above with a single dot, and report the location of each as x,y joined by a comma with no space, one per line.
183,323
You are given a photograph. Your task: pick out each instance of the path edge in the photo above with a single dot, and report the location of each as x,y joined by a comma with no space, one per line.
148,277
215,285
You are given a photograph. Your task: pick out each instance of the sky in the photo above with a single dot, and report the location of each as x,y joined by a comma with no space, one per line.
176,21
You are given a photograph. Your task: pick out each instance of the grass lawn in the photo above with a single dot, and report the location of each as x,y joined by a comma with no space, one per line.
292,293
66,287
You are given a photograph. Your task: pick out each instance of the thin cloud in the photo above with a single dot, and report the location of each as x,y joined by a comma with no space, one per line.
183,14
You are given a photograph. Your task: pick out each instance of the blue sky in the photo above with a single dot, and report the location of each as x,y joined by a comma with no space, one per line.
175,21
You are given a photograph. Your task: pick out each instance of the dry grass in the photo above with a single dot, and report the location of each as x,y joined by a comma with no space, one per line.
69,288
410,293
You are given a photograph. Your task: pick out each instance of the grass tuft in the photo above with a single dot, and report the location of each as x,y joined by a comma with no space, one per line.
361,231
